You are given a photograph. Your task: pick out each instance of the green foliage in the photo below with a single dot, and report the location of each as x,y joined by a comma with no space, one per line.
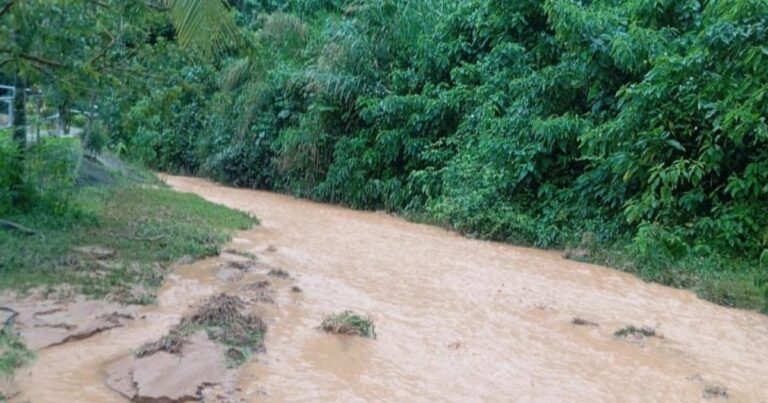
50,171
206,24
641,122
44,178
9,160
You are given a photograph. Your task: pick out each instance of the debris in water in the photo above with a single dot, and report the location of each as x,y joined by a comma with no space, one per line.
242,253
349,323
170,343
222,319
258,285
583,322
636,332
234,271
279,273
715,392
694,377
241,265
259,292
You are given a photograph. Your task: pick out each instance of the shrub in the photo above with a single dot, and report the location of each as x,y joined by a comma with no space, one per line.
51,170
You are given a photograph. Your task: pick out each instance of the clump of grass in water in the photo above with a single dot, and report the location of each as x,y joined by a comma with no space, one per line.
223,322
631,330
350,323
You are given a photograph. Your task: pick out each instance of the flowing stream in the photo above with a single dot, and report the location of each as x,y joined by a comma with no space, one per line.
457,320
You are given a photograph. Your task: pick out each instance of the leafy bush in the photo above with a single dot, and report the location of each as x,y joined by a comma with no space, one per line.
8,171
51,169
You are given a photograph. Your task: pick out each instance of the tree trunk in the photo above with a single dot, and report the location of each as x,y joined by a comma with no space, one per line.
20,116
20,137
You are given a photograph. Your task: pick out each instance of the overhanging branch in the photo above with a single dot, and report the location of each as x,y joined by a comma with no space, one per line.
6,7
41,60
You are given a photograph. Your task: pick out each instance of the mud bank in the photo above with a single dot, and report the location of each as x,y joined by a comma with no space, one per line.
97,351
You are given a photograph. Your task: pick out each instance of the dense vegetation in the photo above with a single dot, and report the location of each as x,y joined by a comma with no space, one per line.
633,129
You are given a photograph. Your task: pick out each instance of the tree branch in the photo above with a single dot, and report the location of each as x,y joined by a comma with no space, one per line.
104,50
6,7
41,60
10,225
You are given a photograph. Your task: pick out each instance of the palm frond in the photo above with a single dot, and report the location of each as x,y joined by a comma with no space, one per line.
204,24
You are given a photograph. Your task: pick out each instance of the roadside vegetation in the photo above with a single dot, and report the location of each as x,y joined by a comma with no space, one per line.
638,126
136,229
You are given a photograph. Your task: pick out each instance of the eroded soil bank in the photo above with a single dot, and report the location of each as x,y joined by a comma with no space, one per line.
456,319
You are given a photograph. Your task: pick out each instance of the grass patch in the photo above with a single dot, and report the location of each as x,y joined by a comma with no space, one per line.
13,352
147,227
222,319
732,282
350,323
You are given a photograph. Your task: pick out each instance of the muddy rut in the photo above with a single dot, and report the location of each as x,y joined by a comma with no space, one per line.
457,320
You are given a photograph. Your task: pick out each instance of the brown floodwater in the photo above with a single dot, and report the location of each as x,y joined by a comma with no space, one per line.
457,320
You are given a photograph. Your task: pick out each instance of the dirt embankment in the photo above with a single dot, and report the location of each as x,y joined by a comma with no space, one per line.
198,358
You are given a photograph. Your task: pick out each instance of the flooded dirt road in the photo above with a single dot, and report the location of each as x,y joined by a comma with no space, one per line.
457,320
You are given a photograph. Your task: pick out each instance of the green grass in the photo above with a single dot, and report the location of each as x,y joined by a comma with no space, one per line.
350,323
13,353
147,227
732,282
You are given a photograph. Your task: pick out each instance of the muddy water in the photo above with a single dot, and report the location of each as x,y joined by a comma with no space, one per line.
457,320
